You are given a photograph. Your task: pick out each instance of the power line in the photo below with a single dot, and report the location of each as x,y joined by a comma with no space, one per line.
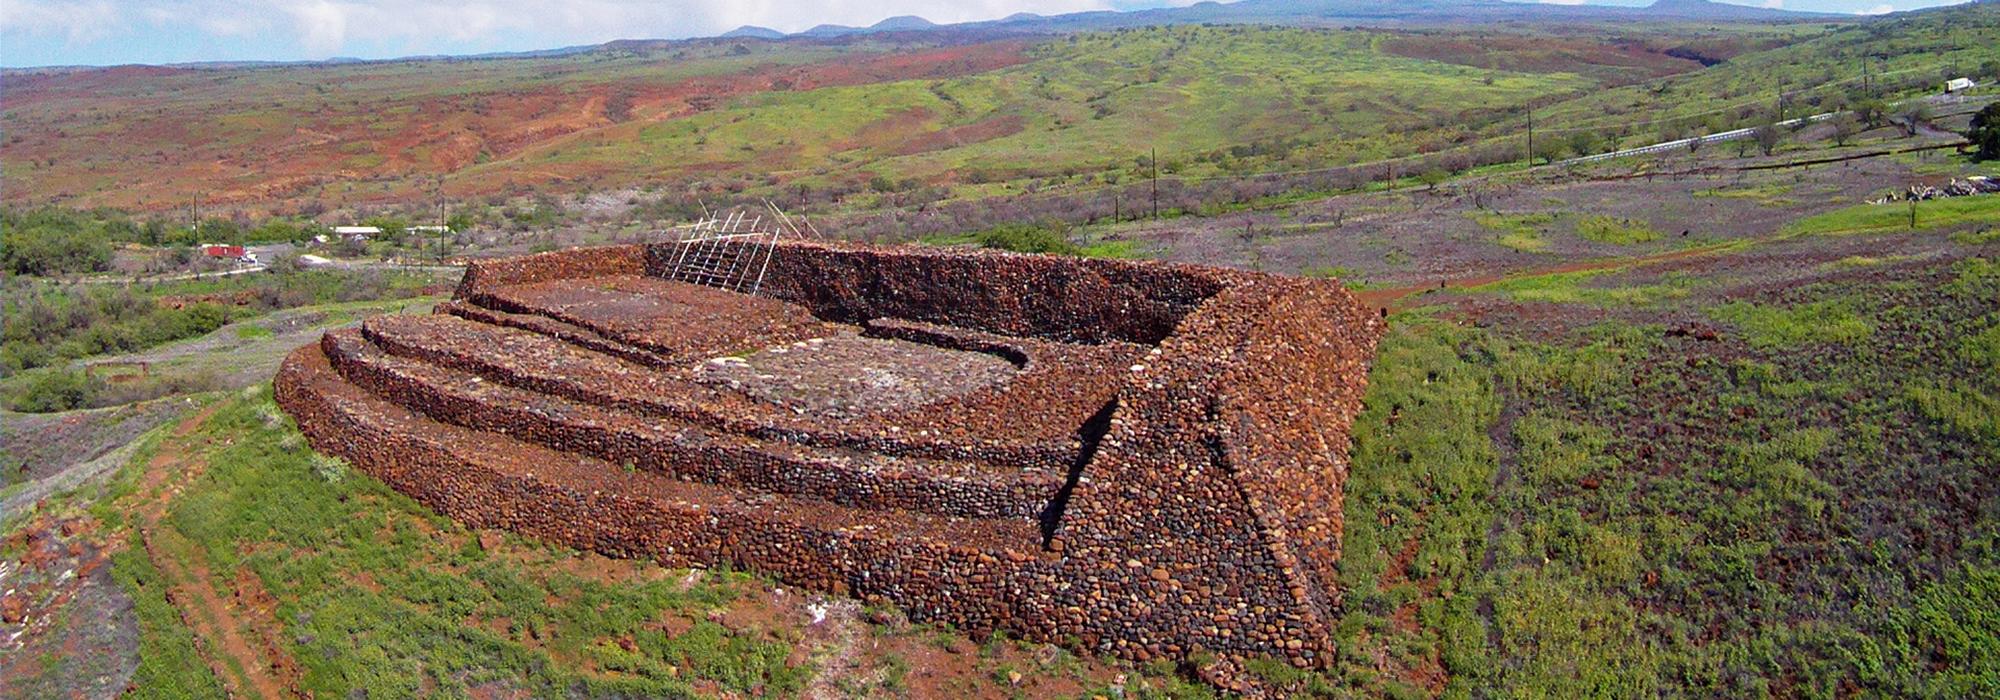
1589,125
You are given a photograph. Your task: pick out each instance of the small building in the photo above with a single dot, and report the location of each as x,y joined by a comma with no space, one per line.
1959,85
357,233
218,250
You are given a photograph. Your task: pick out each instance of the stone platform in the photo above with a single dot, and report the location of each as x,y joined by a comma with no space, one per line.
1135,458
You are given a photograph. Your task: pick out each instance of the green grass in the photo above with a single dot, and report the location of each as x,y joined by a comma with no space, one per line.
1113,249
1522,232
252,332
170,667
1770,195
1953,212
384,597
1905,57
1863,261
1776,327
1607,229
1580,563
1213,100
1582,288
1962,407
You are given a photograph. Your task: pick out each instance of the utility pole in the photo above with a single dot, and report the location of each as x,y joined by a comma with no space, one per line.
194,223
1155,162
1531,135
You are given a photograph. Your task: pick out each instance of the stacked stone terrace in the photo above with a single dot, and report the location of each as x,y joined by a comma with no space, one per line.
1137,458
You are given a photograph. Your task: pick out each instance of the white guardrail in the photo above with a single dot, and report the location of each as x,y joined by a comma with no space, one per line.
1683,143
1742,133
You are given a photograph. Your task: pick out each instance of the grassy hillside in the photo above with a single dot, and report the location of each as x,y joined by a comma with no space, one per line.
1887,58
1621,511
151,137
754,114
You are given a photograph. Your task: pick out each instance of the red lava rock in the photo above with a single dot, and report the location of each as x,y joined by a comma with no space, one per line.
1144,458
42,551
13,609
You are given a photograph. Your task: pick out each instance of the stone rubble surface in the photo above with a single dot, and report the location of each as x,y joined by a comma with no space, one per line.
1132,458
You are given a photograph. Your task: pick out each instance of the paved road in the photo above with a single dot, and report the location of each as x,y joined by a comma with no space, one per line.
247,269
1746,133
311,261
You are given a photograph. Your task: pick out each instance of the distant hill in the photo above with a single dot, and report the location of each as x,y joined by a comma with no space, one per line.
903,23
1708,9
831,30
753,32
1334,13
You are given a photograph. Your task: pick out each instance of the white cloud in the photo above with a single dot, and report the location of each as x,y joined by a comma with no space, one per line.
324,28
322,25
1882,9
1774,4
75,21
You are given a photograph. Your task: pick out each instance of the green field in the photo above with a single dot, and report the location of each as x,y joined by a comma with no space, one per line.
1679,426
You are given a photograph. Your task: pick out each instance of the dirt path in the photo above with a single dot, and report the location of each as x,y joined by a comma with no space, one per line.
1391,298
1508,452
238,641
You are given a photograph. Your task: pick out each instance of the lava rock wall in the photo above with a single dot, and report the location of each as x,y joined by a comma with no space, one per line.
1059,298
1198,510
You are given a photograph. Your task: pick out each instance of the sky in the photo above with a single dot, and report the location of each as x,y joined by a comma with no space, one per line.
111,32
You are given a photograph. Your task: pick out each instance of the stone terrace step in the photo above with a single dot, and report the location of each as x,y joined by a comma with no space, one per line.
687,452
560,330
532,361
676,320
488,480
1059,384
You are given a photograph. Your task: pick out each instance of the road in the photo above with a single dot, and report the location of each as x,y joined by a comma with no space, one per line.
1746,133
266,253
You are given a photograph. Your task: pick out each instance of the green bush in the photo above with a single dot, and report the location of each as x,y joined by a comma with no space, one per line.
58,390
49,249
1026,238
1985,133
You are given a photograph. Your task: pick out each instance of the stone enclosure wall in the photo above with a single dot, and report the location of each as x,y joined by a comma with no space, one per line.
1161,477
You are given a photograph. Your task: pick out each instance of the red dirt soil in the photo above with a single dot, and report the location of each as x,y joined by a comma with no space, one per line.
103,137
234,630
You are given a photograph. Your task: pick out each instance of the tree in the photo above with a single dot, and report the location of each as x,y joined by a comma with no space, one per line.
392,226
1767,137
52,249
217,230
1913,115
1844,129
1432,177
1583,143
1985,133
1548,150
1871,111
